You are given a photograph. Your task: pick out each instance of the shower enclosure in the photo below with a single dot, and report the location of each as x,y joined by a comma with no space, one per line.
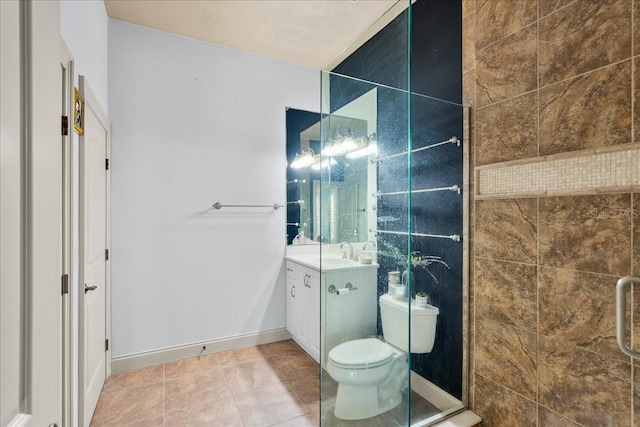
393,208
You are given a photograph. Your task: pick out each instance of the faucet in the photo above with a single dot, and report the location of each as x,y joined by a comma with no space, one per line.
344,255
364,247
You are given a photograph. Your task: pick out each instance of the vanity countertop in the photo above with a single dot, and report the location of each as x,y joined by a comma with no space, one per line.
330,261
308,260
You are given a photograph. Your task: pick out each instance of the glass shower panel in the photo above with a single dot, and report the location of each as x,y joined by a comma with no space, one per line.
364,247
392,227
439,257
413,211
364,378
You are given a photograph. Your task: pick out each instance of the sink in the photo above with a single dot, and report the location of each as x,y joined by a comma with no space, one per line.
336,262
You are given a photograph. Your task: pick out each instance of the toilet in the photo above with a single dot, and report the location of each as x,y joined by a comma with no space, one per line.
370,373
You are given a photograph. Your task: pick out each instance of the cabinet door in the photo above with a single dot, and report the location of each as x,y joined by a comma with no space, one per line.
301,301
312,314
290,269
293,317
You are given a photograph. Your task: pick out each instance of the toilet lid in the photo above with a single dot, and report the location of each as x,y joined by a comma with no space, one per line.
368,352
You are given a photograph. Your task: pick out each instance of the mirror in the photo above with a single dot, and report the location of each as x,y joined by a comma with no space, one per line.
299,180
350,181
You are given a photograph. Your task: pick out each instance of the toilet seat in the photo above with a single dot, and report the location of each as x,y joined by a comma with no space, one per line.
361,354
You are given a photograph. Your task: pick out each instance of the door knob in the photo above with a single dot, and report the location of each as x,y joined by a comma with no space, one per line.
89,288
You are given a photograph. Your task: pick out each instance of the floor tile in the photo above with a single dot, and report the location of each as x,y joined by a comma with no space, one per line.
152,422
236,357
219,412
134,379
269,405
307,420
203,364
129,405
307,388
295,366
251,375
280,348
195,389
268,385
314,410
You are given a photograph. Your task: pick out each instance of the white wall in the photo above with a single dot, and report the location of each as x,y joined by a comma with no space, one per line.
194,123
84,27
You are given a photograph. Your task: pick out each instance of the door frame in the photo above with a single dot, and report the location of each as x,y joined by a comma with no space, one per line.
35,76
91,101
68,234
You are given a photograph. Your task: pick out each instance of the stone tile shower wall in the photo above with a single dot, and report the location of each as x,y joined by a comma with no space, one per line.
553,78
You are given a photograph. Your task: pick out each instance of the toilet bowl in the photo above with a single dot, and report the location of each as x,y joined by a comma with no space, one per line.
371,374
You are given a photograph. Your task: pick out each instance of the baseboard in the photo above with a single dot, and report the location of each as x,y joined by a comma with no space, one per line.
434,394
186,351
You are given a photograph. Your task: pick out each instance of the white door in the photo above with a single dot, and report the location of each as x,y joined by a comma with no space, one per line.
30,215
94,145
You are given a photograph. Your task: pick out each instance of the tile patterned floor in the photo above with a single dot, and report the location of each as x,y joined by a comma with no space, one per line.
267,385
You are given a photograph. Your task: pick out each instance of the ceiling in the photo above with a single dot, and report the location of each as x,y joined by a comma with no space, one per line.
312,33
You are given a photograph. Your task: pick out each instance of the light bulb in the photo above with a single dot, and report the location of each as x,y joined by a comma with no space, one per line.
349,143
297,163
329,149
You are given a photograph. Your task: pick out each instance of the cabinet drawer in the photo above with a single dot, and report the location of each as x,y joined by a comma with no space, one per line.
290,268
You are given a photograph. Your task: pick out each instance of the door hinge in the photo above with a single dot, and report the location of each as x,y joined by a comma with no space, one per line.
64,125
106,254
106,345
107,164
65,284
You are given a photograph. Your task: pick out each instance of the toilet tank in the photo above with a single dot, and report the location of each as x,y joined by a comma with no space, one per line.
395,324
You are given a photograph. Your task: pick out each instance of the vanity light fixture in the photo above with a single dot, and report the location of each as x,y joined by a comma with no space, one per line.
332,148
304,160
342,145
349,142
324,163
365,146
339,149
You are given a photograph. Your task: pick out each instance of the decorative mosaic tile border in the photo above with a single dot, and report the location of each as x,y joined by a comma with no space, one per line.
608,169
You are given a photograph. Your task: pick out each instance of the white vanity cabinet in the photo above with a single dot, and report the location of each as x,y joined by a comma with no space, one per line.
303,306
312,301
